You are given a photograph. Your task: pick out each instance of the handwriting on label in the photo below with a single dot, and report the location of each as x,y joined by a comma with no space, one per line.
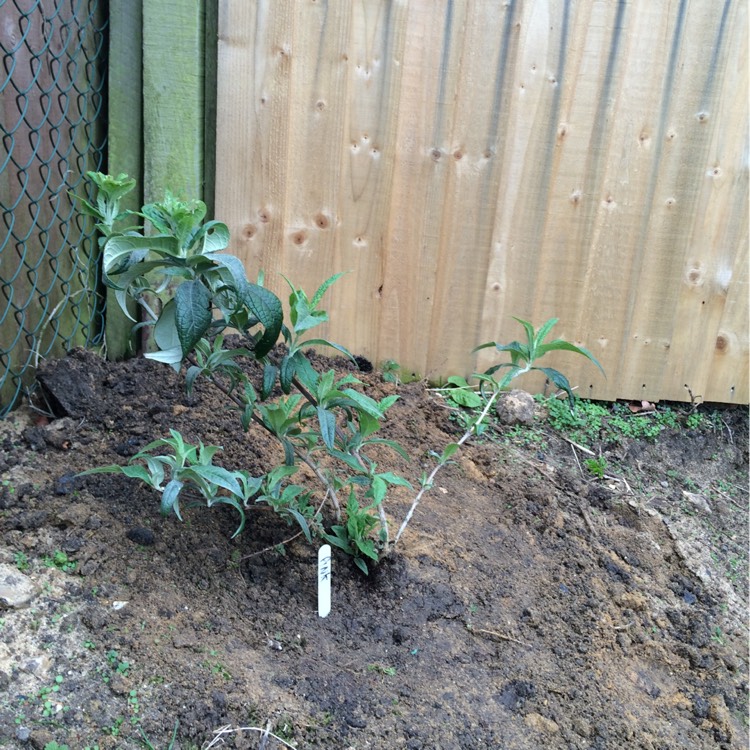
324,580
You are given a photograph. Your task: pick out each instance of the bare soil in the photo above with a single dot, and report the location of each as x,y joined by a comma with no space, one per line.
530,605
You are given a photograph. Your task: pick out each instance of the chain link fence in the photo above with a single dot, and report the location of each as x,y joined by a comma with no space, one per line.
53,127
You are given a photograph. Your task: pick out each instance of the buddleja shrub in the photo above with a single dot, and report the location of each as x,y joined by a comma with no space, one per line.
192,292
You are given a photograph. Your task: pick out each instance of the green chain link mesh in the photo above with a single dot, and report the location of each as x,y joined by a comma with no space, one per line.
53,124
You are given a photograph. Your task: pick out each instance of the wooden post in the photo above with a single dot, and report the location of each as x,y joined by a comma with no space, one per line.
124,135
173,111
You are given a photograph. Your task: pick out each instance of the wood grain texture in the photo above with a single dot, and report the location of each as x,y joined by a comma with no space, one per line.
125,136
469,161
173,97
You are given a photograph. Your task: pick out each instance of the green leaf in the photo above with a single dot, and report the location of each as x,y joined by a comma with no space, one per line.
270,373
266,307
139,472
302,521
561,345
340,539
176,217
325,385
165,330
541,334
469,399
487,345
560,381
393,445
327,422
219,476
215,237
387,402
192,313
378,490
366,547
250,485
448,452
113,187
288,452
364,403
325,342
191,376
121,245
348,459
395,479
287,370
235,269
171,357
323,288
529,328
368,424
277,475
130,270
516,350
170,498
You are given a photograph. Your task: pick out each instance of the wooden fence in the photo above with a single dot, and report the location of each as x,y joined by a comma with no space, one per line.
473,160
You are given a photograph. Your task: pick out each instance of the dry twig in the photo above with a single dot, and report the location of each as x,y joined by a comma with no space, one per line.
500,636
218,740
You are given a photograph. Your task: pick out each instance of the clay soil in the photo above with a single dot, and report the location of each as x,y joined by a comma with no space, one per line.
530,604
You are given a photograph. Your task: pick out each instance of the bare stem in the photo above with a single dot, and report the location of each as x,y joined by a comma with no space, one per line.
427,484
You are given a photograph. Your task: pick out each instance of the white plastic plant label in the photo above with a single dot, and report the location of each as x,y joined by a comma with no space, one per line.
324,580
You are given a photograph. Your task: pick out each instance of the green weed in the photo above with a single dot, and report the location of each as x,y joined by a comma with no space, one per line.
60,561
21,561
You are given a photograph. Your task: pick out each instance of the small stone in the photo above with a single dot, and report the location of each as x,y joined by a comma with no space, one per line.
23,734
689,597
72,544
719,714
41,738
541,723
73,515
127,448
356,721
16,589
58,433
119,684
582,727
632,600
185,640
141,535
39,666
65,484
34,437
699,501
515,407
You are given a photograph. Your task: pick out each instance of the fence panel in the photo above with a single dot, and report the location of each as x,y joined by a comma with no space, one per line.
52,94
470,160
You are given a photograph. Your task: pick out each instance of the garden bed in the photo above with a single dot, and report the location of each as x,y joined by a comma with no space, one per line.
534,601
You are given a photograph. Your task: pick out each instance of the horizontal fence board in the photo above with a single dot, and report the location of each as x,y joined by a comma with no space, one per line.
470,161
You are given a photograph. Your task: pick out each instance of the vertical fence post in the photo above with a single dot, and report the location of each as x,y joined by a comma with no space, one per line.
173,109
125,128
